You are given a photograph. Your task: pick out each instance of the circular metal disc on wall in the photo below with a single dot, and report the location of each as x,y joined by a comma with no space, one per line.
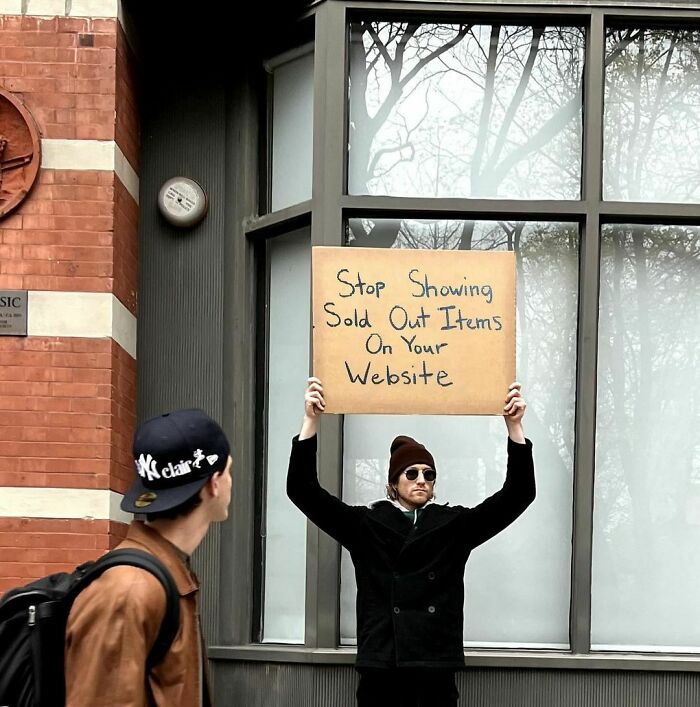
182,202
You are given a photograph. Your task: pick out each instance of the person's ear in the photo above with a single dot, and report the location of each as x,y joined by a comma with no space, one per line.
213,485
216,481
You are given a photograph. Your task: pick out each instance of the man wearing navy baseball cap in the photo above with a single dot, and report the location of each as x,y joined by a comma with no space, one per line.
182,484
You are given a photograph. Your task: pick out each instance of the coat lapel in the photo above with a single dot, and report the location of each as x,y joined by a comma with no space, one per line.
433,518
390,518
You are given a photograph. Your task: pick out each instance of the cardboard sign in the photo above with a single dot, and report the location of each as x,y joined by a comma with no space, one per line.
413,331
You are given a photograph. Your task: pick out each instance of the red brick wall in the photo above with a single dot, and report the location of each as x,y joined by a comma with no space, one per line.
71,84
59,395
62,236
125,247
68,404
122,418
128,127
34,547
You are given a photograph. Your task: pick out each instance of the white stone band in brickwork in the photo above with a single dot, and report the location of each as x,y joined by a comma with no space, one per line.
126,173
83,504
85,314
90,155
98,9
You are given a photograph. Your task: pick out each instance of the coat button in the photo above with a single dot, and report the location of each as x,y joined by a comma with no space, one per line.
397,610
431,609
431,575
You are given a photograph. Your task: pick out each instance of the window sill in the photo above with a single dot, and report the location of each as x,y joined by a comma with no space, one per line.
553,660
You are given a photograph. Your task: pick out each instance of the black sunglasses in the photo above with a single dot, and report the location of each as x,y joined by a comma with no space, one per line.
428,474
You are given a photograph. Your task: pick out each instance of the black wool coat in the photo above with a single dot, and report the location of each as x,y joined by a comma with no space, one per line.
410,578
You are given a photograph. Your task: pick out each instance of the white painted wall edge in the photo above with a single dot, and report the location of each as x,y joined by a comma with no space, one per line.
92,315
102,155
82,504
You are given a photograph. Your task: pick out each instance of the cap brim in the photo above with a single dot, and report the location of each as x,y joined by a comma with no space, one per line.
164,500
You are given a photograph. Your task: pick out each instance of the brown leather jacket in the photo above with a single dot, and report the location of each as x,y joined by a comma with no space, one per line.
113,625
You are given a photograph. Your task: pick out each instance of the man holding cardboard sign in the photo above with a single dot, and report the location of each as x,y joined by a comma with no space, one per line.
409,555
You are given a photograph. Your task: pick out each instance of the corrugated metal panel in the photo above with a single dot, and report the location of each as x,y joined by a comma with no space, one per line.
530,688
283,685
205,563
298,685
181,272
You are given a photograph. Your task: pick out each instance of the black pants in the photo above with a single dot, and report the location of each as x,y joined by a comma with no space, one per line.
406,687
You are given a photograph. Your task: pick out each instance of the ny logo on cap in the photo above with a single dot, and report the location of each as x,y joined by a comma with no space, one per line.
146,467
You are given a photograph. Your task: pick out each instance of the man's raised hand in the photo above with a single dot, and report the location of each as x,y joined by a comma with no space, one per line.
513,412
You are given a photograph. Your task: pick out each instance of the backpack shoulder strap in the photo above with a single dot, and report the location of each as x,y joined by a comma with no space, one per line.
150,563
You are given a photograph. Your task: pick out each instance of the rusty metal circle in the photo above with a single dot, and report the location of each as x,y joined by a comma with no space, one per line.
20,152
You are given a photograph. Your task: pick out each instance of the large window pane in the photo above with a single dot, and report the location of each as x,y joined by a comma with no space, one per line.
442,110
517,588
652,115
646,565
288,368
292,130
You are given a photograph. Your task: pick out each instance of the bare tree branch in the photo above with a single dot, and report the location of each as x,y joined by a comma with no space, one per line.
550,128
656,111
485,109
463,29
519,94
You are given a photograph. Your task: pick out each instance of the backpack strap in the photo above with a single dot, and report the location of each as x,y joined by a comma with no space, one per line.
144,560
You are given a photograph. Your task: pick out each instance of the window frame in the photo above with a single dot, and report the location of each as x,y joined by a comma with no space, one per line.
327,211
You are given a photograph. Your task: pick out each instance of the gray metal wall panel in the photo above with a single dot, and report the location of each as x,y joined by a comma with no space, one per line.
181,272
205,563
283,685
298,685
181,275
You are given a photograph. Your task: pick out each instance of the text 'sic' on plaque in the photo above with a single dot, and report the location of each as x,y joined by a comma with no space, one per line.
13,312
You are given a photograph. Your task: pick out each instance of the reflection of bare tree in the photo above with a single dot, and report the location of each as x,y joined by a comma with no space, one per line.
647,418
652,121
495,110
493,101
404,71
490,165
369,480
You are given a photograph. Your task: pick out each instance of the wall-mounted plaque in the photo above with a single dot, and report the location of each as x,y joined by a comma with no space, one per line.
20,152
13,312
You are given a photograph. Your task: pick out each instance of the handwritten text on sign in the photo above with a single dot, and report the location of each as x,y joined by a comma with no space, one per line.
414,331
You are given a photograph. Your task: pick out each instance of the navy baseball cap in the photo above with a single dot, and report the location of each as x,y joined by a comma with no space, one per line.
175,454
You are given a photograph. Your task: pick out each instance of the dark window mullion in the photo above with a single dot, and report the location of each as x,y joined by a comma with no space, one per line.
323,553
236,555
267,82
649,212
440,208
587,347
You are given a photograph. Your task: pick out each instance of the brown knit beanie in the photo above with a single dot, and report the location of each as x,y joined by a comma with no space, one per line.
404,452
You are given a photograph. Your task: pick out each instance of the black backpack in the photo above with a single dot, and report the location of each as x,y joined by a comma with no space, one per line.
33,625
